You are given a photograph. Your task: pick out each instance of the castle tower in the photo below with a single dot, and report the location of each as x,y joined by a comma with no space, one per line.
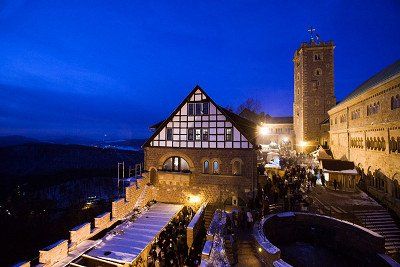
313,90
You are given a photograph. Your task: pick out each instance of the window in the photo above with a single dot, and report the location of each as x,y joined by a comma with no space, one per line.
395,102
190,134
228,134
206,108
355,114
373,108
215,167
316,102
317,57
298,76
205,135
197,135
176,164
236,168
206,167
199,107
169,134
191,109
318,72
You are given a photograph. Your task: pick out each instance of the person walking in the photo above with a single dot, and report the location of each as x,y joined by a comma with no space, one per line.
335,184
249,219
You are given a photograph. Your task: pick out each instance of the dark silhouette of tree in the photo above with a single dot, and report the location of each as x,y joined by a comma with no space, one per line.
251,104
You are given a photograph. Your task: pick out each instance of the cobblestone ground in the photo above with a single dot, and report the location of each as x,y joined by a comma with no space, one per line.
246,253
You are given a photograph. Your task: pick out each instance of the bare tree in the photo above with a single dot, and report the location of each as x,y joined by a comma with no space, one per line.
251,104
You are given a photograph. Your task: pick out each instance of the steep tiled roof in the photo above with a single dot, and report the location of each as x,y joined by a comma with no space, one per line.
385,74
245,126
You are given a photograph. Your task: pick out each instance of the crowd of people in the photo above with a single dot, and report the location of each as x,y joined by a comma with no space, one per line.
170,247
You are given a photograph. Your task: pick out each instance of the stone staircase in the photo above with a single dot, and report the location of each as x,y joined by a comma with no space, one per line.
208,215
382,223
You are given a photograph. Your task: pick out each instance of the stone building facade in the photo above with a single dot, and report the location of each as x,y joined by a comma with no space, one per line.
365,128
313,92
202,150
278,130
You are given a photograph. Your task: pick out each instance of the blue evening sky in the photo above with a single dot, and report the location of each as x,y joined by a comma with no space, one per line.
91,68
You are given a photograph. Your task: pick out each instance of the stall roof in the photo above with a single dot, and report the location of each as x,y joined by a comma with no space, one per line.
337,165
124,243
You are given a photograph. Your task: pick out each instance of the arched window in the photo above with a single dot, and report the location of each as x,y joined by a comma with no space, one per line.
236,167
318,72
216,167
206,166
176,164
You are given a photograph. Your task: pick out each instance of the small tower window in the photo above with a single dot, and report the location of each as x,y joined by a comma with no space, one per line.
317,57
318,72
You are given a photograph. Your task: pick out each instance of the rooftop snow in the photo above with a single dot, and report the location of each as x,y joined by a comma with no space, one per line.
124,243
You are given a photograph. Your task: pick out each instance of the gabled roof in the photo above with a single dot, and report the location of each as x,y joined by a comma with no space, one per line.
337,165
244,126
383,75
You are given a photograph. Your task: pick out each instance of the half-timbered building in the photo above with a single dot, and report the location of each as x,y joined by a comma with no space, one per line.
202,149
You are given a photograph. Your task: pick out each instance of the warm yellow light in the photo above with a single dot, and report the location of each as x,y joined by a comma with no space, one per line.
264,130
303,143
194,199
259,249
285,139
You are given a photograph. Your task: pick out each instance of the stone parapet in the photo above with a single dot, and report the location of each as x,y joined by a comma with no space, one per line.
102,220
79,233
54,253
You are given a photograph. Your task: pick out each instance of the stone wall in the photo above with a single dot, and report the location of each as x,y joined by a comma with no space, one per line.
79,233
102,220
176,187
380,166
356,241
135,196
54,252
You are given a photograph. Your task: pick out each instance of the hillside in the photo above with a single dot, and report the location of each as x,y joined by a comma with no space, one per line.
45,164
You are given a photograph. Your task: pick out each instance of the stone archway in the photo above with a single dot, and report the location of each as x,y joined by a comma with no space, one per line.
176,154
